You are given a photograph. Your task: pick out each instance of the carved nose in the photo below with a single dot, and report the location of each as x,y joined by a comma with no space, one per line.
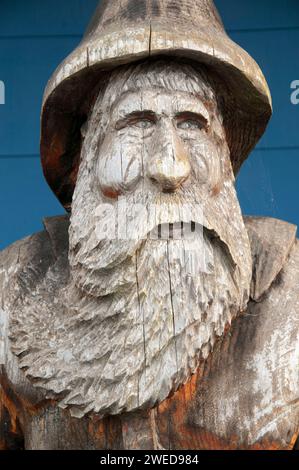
169,165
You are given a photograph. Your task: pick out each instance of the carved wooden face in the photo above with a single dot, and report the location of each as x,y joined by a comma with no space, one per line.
161,137
142,319
155,138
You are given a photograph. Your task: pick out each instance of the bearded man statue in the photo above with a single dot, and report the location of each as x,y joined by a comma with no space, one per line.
154,316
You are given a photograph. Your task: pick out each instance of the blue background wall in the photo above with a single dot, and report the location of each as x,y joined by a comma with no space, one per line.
36,35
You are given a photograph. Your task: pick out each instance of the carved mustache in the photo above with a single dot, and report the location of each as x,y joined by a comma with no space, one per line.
113,254
110,265
112,242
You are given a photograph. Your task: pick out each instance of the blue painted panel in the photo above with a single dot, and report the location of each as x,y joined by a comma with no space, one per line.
277,53
26,66
45,17
24,198
258,14
268,184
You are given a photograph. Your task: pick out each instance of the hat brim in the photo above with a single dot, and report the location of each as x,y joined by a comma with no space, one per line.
247,103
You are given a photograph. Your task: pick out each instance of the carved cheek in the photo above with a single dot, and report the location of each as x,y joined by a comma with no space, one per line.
206,163
119,164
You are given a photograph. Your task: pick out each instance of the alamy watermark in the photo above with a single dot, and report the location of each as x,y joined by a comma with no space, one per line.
295,93
2,92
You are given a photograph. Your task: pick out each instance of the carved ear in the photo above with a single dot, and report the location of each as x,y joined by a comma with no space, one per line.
271,242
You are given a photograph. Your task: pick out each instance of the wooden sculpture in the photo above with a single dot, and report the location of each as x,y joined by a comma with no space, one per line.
154,316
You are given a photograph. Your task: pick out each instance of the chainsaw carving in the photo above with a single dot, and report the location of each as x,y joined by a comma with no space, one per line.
156,316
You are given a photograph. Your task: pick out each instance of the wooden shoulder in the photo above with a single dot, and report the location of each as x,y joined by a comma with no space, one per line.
24,264
271,243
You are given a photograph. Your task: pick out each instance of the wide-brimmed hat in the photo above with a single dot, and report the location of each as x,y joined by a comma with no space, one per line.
126,31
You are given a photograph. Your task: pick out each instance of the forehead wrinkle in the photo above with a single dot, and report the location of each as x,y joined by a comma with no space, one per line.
191,104
128,102
141,100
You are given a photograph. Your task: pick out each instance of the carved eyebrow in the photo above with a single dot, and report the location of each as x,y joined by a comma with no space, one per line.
192,116
135,116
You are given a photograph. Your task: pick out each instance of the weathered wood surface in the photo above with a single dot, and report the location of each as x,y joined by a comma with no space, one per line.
181,329
244,396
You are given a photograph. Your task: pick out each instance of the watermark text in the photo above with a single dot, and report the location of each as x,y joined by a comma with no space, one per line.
2,92
295,93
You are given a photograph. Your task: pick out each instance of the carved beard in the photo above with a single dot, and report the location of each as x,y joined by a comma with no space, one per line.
121,339
134,322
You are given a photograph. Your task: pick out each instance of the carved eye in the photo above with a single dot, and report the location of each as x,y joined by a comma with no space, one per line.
190,124
144,123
